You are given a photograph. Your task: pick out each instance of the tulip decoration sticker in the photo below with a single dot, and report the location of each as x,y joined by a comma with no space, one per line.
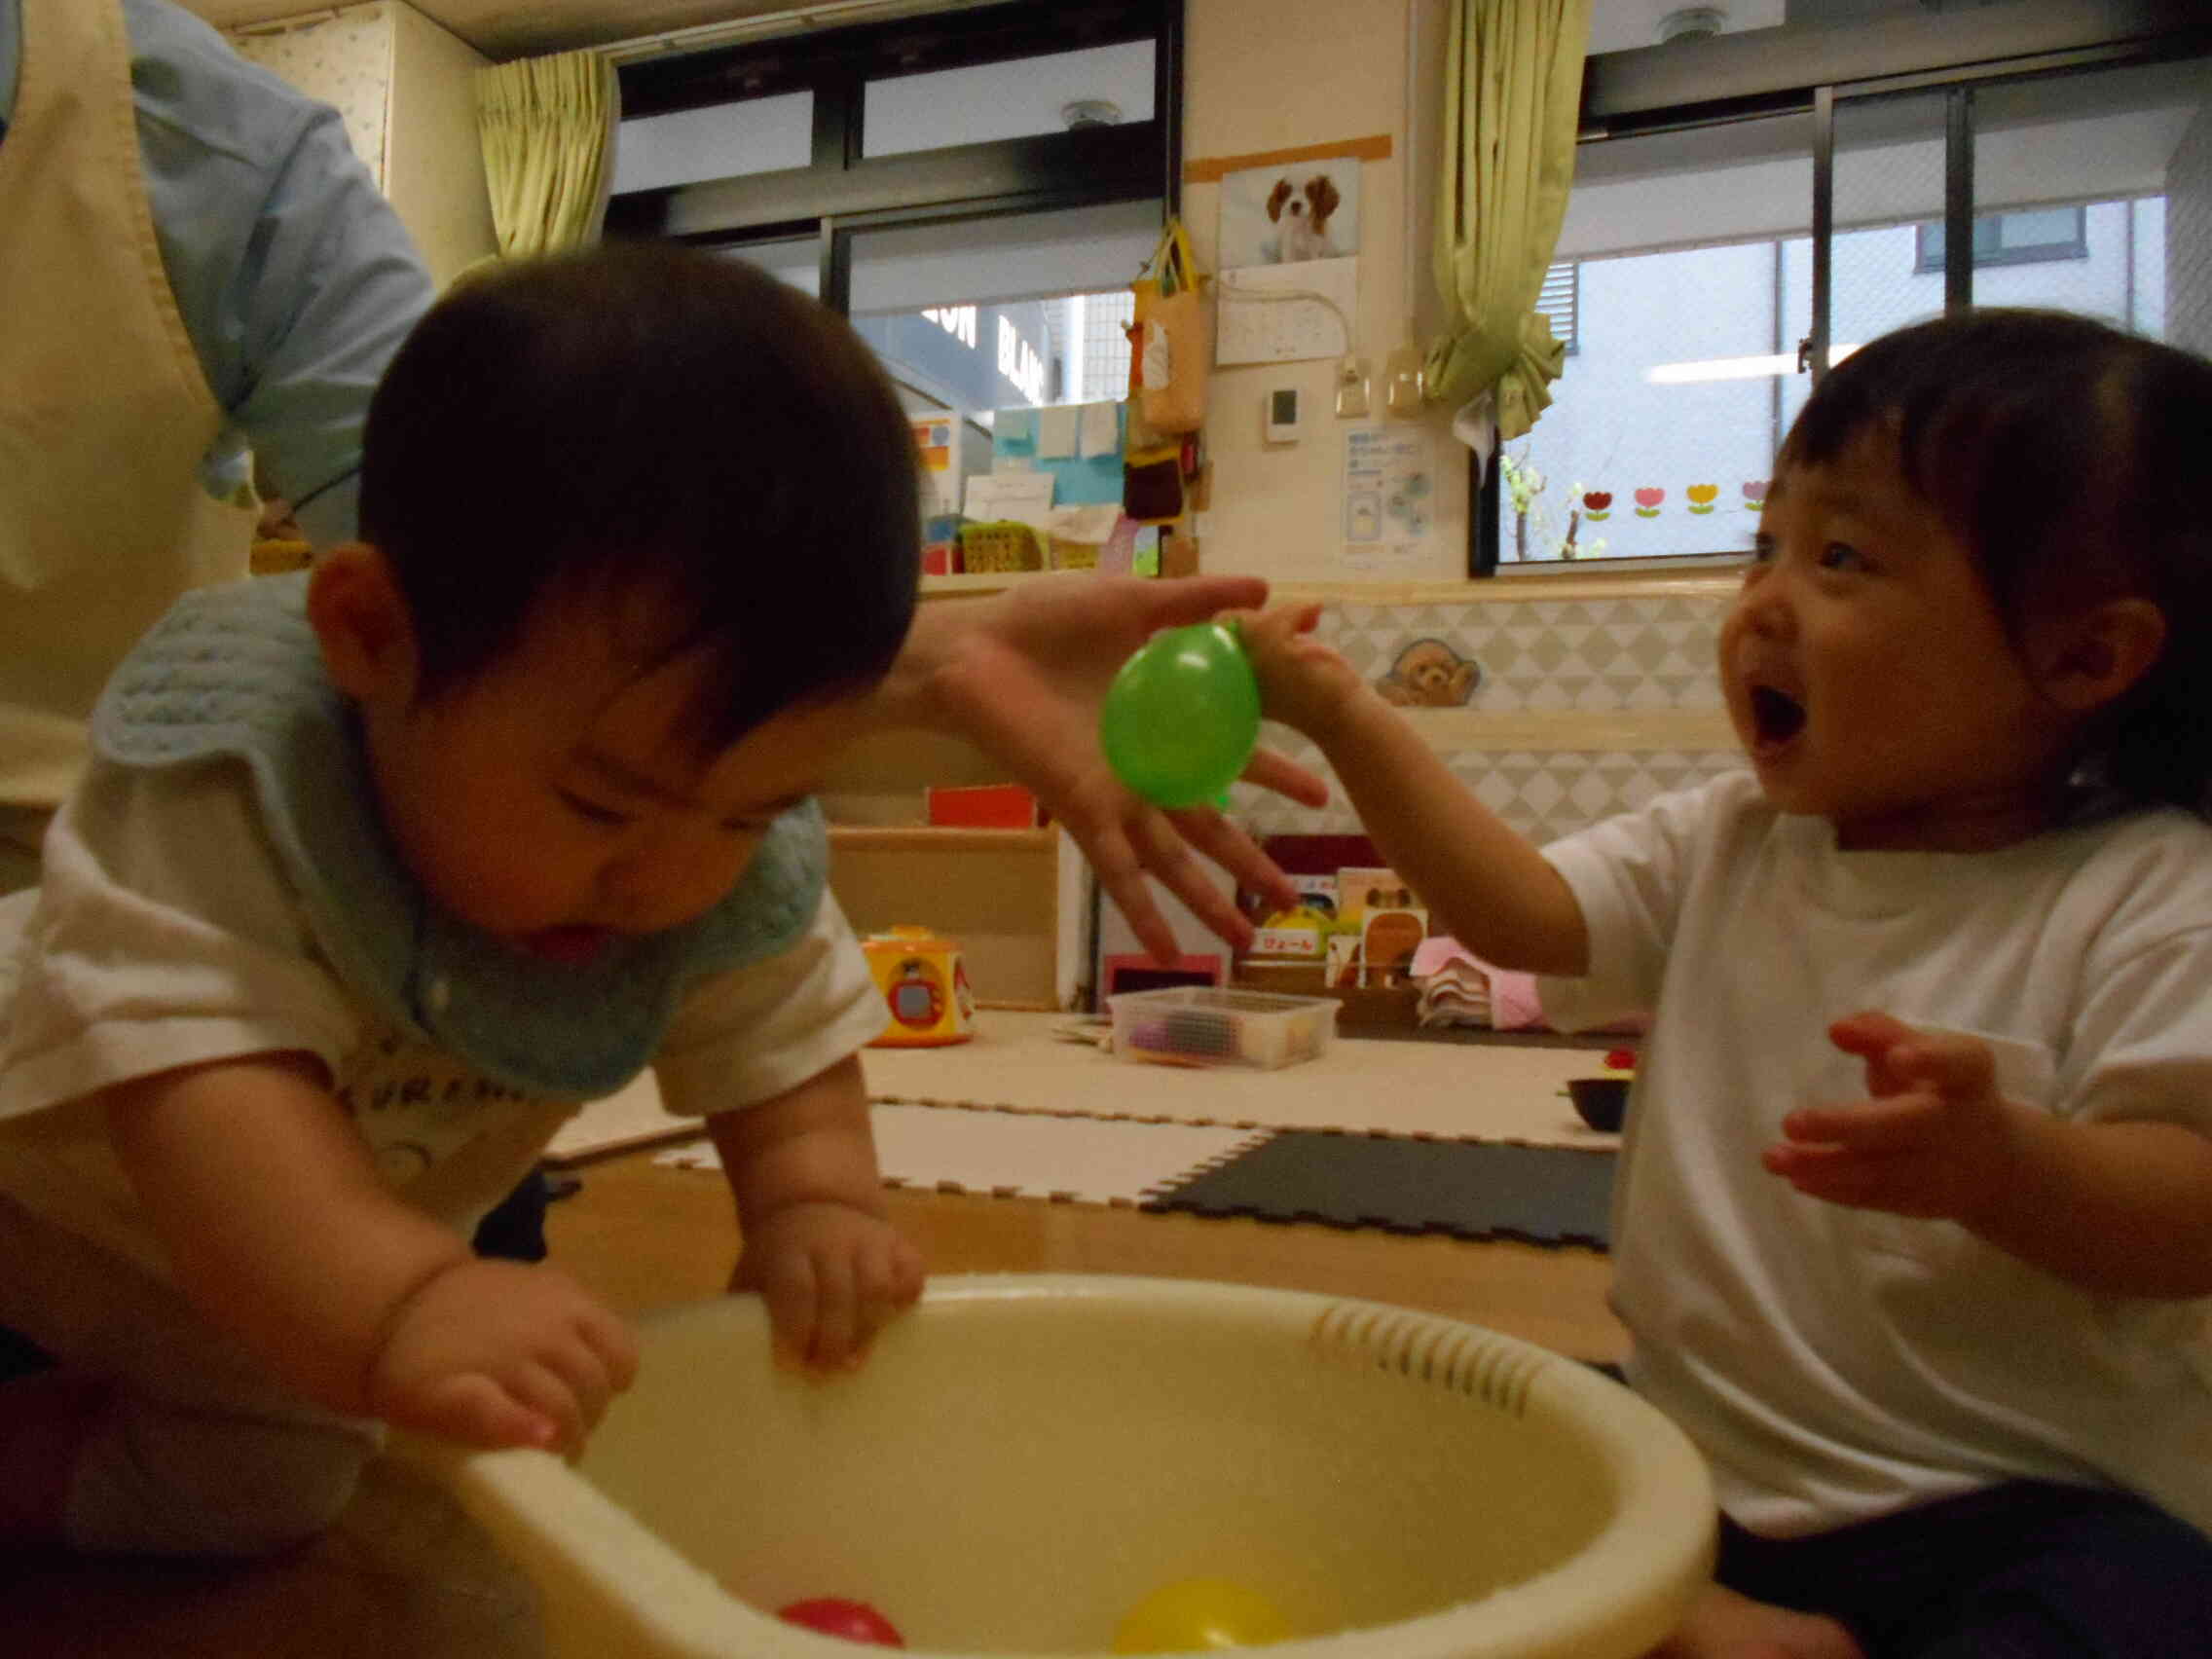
1702,496
1598,503
1647,501
1755,494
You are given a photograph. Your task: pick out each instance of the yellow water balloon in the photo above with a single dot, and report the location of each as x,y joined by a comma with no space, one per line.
1201,1616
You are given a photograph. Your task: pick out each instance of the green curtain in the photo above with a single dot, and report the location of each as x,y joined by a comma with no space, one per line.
1512,96
547,124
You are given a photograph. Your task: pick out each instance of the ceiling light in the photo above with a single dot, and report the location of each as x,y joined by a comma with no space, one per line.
1691,22
1089,112
1736,368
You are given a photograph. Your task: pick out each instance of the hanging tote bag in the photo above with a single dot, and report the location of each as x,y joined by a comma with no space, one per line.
1170,364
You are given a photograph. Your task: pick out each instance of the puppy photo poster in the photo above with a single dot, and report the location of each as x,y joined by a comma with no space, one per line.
1288,229
1290,213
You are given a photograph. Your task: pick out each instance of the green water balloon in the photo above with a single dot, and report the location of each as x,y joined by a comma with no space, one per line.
1182,717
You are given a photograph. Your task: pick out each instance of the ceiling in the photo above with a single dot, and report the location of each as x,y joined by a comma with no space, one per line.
504,29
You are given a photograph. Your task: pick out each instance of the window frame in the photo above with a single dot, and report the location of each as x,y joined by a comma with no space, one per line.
1929,260
1809,69
841,191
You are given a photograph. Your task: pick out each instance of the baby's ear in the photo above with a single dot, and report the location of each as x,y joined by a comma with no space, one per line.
361,621
2096,656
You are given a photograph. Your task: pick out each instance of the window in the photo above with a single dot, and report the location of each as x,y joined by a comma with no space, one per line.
1106,85
1560,296
723,141
1696,263
973,189
985,109
2012,239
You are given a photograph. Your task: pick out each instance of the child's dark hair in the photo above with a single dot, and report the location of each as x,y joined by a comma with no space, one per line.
2071,458
648,418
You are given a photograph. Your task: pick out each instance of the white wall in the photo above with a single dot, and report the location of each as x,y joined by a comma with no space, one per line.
2188,239
405,89
1264,75
433,158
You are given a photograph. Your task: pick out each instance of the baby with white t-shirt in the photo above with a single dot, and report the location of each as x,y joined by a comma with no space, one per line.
1913,1223
381,869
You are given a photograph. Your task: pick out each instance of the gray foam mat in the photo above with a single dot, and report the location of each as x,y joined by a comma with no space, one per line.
1474,1190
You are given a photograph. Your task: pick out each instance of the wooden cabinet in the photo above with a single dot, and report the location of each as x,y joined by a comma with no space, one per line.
1017,901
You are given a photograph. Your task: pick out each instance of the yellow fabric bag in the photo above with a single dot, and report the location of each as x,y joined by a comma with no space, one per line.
1168,365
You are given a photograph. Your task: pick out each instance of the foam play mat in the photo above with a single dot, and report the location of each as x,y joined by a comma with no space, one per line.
1031,1463
1015,1155
1539,1195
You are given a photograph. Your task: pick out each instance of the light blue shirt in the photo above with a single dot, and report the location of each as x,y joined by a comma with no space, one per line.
295,279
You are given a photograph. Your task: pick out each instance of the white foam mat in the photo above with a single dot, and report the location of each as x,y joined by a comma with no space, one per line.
1097,1161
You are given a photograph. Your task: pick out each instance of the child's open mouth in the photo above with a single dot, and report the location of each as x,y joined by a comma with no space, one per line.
1777,718
571,945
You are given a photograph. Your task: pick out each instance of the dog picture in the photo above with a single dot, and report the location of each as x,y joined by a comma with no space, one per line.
1301,210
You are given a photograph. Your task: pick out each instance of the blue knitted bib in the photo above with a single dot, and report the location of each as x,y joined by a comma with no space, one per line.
234,673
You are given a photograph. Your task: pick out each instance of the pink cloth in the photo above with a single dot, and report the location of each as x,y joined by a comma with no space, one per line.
1513,1001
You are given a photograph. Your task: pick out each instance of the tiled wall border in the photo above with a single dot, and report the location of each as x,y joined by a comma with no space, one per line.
1594,698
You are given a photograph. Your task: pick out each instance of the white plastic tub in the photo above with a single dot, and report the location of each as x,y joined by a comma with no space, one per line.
1221,1025
1026,1456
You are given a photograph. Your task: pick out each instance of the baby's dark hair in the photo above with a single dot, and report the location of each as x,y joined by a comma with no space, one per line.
2070,457
645,420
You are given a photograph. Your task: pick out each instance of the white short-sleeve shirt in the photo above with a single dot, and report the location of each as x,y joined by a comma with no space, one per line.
1837,1363
166,934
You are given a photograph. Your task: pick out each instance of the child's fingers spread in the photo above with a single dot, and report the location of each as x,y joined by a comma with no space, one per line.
1271,769
1888,1124
1952,1062
1869,1033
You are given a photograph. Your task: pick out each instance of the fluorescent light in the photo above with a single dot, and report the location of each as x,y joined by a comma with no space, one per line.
1736,368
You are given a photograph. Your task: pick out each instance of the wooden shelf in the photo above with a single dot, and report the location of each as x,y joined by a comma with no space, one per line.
1014,899
932,838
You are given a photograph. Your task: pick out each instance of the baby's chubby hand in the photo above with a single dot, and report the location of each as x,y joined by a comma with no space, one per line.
832,1276
1934,1138
498,1354
1303,682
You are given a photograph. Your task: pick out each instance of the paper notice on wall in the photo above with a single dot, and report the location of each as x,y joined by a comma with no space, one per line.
1284,313
1099,430
1389,495
1056,431
1025,497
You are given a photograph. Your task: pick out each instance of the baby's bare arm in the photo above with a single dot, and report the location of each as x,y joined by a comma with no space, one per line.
818,1241
2122,1209
277,1223
284,1236
1488,885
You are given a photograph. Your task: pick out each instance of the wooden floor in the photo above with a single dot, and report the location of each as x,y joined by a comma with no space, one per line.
405,1576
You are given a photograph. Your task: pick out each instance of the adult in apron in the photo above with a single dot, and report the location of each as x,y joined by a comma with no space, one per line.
106,415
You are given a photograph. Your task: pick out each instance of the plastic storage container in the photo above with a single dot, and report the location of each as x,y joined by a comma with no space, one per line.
1025,1457
1214,1025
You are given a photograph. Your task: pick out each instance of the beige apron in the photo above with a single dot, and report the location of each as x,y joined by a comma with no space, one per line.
104,411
